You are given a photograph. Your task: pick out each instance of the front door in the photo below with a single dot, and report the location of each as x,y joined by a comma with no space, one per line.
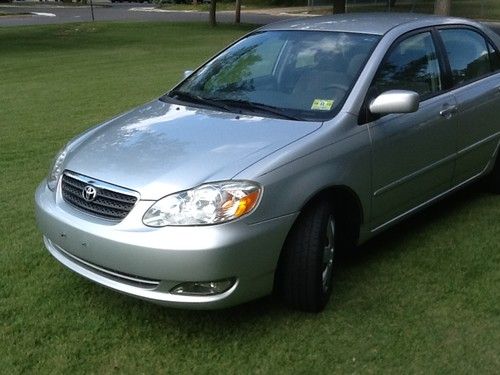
413,154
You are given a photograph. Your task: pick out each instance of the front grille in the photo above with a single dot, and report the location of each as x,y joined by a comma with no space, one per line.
110,202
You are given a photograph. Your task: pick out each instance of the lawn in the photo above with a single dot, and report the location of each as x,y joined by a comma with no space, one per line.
421,298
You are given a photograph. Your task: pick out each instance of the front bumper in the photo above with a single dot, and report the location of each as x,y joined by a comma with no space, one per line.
148,262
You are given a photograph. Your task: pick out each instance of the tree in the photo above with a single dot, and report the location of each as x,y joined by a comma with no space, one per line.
339,6
442,7
211,15
237,15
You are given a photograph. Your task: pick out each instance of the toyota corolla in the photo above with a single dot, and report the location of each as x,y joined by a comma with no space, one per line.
299,139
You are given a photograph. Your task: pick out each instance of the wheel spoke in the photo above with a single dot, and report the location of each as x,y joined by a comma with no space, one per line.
328,254
331,231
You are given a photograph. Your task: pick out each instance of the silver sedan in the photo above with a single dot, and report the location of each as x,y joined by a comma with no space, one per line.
302,138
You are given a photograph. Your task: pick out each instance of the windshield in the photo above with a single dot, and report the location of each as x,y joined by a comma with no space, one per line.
301,75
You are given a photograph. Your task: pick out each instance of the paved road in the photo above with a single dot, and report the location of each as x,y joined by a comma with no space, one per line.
106,11
52,13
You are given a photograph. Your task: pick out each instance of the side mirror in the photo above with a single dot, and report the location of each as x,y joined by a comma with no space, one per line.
187,73
395,101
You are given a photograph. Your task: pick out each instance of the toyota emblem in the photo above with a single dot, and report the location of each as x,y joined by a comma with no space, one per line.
89,193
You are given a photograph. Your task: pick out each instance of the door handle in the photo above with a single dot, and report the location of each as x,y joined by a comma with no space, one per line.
449,111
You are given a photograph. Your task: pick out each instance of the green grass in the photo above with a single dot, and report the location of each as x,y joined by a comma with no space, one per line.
422,298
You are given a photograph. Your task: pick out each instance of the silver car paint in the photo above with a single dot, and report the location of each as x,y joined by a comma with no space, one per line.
476,139
395,101
292,160
420,143
170,255
173,147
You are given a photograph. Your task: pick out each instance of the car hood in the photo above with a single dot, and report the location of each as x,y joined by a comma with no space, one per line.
162,148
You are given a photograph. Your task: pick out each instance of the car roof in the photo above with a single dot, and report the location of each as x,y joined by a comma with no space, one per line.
366,23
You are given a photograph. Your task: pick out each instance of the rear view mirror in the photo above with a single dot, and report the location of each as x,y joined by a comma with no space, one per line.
187,73
395,101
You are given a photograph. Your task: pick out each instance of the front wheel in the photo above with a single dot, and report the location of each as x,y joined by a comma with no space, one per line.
308,259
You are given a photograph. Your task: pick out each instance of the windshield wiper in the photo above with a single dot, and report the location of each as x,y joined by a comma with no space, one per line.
225,104
259,107
187,96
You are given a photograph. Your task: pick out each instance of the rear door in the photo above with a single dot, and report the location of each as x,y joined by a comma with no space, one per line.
413,154
475,69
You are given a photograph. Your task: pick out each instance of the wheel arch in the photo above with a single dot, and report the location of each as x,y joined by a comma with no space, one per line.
342,196
348,211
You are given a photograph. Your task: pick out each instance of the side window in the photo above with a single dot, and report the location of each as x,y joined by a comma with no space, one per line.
468,54
411,64
494,58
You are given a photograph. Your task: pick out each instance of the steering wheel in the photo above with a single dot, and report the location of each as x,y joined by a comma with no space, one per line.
336,86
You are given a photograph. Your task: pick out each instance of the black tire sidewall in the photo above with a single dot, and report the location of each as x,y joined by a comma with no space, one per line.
494,177
301,265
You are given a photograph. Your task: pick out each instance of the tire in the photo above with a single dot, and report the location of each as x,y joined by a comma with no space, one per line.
494,177
307,260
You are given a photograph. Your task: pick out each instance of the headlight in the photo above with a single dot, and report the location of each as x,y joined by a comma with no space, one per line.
57,169
207,204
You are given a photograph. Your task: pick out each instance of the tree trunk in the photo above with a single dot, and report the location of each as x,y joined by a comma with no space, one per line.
237,15
338,6
212,20
442,7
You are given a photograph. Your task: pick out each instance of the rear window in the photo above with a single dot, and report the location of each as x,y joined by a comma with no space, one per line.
494,57
468,54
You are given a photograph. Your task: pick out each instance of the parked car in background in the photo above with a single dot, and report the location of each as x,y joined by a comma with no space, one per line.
300,139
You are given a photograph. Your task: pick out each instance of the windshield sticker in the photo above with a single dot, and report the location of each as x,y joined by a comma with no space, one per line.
322,105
